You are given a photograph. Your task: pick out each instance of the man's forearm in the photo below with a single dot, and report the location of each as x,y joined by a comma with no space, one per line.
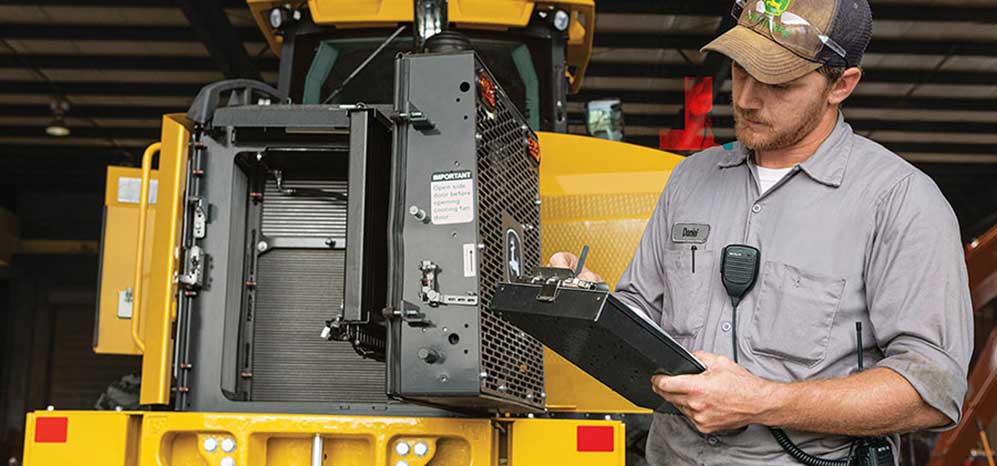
875,402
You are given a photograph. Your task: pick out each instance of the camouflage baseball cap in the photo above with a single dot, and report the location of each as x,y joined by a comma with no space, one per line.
778,41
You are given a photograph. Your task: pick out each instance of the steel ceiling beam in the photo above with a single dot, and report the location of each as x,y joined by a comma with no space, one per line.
880,10
103,133
859,124
45,156
676,71
117,3
883,75
644,40
855,101
878,46
717,65
124,62
117,33
223,41
92,111
103,88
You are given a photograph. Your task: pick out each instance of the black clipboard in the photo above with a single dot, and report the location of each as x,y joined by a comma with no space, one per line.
598,333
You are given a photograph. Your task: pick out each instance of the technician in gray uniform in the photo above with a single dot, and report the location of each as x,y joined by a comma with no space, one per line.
848,232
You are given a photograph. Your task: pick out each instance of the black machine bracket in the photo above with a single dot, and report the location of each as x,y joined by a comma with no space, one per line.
409,313
414,117
552,279
209,98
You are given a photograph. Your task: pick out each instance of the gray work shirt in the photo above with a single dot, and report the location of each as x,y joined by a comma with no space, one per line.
853,234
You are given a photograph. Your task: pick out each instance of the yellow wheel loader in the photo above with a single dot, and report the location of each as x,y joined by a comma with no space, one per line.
306,270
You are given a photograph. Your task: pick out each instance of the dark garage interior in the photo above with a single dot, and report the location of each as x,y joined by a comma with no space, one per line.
107,71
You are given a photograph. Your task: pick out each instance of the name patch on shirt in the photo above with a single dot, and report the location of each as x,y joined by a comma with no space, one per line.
690,233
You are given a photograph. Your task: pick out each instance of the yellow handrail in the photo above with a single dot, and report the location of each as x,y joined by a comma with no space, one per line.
143,210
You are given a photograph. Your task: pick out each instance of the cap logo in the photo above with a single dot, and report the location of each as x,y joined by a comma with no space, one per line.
776,8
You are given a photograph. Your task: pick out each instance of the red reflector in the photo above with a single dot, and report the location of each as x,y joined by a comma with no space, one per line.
534,148
51,429
487,90
596,438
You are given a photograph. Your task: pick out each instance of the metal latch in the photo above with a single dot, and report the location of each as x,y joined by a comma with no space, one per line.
200,220
194,265
548,291
415,117
429,292
410,314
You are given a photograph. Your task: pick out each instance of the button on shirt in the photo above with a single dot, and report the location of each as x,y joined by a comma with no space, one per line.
852,234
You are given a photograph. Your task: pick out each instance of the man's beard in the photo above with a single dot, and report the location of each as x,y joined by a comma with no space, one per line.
778,138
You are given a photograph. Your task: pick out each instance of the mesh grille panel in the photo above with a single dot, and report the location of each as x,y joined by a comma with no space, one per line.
508,182
299,216
512,359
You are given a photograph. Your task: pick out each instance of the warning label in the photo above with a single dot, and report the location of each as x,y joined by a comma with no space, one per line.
452,197
129,190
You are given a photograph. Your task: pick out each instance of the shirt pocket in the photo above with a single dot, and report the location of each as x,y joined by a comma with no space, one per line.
794,314
688,291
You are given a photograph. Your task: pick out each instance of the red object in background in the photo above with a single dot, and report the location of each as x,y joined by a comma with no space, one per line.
595,439
953,446
698,132
51,429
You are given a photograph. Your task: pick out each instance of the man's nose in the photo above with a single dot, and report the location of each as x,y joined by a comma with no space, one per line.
747,95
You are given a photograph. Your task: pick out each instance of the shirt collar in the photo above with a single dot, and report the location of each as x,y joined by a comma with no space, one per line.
826,166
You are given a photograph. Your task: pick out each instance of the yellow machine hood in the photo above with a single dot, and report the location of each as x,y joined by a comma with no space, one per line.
464,14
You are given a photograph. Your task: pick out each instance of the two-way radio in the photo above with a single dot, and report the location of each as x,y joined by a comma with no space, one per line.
739,271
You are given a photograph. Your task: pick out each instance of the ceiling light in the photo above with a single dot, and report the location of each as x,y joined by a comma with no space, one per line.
57,127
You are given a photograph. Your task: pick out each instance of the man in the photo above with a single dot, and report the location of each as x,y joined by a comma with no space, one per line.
848,233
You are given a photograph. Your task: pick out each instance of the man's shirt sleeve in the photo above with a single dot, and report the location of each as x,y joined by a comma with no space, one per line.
917,293
642,285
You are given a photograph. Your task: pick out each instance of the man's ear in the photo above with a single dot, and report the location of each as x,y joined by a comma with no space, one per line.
845,85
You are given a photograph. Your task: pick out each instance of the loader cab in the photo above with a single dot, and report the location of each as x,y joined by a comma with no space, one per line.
529,62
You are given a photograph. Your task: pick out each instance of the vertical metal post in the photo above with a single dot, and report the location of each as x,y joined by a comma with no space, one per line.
353,306
430,19
317,450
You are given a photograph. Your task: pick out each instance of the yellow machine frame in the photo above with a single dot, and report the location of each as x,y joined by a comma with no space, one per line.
578,176
593,192
152,439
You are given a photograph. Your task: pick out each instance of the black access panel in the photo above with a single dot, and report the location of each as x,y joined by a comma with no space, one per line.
471,219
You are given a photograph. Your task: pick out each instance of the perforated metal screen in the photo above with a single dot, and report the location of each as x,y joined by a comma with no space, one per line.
508,178
509,183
